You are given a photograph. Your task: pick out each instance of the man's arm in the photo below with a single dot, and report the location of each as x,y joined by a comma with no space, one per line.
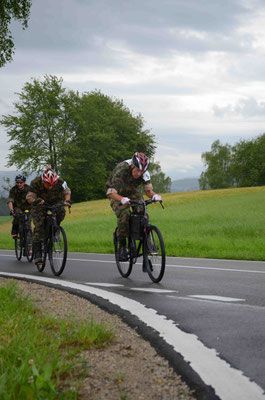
11,206
67,195
10,201
115,196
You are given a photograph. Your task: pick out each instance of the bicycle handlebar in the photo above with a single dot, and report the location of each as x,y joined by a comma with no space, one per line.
146,202
48,206
19,214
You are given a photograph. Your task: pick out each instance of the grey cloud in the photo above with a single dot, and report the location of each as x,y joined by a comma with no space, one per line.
146,26
245,107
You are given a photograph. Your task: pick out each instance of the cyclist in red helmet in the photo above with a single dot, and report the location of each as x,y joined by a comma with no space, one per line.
49,188
122,185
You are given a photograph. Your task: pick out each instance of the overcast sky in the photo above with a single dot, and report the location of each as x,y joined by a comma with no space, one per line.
194,69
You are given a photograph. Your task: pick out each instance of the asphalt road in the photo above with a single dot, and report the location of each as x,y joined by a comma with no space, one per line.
207,317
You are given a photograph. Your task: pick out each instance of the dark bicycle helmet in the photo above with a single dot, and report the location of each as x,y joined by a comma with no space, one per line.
20,178
49,177
140,161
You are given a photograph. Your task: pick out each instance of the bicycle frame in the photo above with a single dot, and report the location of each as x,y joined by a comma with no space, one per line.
145,218
50,220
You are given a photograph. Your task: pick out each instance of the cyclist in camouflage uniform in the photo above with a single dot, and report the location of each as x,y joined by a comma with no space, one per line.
49,188
17,202
123,185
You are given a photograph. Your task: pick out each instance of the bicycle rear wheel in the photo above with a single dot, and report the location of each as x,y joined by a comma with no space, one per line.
154,254
28,245
19,246
58,250
124,267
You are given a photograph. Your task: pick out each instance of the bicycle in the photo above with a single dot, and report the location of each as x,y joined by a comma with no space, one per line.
144,240
55,242
23,241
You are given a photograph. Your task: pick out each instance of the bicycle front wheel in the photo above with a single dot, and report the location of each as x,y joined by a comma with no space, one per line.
41,265
58,250
124,267
154,254
19,246
28,245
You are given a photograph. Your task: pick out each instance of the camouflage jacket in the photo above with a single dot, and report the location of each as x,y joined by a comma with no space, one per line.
122,182
51,196
18,197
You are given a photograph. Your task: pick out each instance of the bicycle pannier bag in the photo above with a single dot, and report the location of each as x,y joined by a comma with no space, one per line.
136,227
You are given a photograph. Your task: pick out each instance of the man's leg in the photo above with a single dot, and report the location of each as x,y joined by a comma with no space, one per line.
14,230
60,213
123,217
38,215
15,223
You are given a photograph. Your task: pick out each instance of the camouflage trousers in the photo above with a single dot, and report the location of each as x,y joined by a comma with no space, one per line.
18,218
123,216
38,215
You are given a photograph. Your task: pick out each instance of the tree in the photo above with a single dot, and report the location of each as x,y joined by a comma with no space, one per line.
249,162
105,133
161,183
218,174
42,125
82,137
19,10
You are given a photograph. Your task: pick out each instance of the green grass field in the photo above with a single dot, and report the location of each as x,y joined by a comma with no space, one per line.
227,223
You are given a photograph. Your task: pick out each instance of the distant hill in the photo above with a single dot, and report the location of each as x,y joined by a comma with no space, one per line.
185,185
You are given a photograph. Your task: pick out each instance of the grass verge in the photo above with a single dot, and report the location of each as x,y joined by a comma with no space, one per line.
39,353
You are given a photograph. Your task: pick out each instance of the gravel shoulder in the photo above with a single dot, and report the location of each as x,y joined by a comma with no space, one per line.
128,368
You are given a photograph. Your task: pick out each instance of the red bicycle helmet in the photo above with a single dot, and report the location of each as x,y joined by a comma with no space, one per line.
140,161
49,177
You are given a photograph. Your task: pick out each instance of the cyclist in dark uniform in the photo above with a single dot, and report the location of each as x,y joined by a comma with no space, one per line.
122,185
17,202
50,188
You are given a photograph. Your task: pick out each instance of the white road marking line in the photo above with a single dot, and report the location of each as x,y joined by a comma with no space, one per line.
153,290
177,266
228,382
129,288
169,265
103,284
215,268
215,298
